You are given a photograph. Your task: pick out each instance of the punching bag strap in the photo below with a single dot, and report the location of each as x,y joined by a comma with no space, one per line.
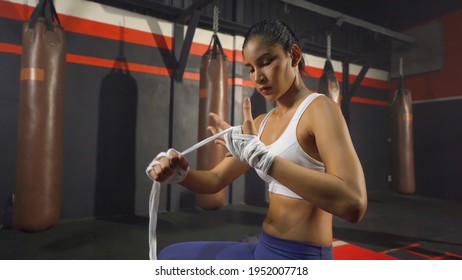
216,46
45,9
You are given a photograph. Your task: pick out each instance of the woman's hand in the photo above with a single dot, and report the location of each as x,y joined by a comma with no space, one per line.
169,166
220,125
248,125
242,142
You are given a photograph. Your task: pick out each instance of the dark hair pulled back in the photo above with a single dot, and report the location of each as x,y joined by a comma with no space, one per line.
274,32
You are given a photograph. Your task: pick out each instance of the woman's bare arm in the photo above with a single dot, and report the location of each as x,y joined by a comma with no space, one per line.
341,190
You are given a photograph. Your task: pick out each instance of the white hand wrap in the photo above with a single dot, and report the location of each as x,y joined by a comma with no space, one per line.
178,173
249,149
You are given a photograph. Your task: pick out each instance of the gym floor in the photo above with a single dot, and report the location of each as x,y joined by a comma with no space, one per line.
394,227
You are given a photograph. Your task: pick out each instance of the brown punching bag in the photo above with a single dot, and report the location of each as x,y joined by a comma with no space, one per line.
213,91
328,84
402,147
37,194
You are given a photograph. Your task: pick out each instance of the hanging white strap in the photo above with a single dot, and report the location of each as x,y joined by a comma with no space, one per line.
155,192
153,210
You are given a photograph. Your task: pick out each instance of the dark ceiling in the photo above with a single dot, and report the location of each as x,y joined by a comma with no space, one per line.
350,42
393,14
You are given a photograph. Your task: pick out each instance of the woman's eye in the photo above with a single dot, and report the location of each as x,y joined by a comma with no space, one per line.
267,62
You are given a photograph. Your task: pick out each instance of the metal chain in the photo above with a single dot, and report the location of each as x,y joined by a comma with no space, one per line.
401,66
216,12
329,44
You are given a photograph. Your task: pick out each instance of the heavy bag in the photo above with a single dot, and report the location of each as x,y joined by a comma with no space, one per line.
328,84
402,147
37,194
213,91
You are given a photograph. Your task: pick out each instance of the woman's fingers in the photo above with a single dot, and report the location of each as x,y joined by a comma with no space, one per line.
184,164
177,159
219,122
156,173
212,130
167,164
220,142
220,125
247,109
248,126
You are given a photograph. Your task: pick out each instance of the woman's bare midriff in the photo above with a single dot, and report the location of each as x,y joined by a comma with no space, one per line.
297,219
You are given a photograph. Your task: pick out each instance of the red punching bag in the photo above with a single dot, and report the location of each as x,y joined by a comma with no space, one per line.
213,91
402,147
37,194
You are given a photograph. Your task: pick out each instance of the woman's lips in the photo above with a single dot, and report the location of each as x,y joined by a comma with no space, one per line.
265,90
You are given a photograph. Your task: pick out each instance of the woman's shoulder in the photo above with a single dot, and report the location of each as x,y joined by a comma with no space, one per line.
323,104
321,112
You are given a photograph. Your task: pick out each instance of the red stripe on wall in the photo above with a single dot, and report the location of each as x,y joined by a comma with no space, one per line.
155,70
108,63
14,11
314,72
243,82
103,30
369,101
119,33
89,27
191,76
367,82
10,48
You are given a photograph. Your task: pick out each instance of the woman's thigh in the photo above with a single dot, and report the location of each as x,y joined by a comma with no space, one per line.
211,250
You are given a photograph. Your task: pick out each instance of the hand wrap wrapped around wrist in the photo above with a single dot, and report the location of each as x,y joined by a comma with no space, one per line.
249,149
178,173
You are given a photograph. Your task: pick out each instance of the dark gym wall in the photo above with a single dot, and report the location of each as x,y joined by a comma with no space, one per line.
437,107
116,119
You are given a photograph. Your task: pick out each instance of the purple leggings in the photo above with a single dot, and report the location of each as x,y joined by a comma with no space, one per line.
267,248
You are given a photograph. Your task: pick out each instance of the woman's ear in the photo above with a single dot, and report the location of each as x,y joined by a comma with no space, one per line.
296,54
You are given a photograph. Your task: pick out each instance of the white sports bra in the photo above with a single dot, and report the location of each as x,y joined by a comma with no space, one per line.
287,147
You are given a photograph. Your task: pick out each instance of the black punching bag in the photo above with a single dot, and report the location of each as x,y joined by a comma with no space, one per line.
213,91
402,147
37,194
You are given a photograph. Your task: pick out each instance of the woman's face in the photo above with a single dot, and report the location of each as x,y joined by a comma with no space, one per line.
270,68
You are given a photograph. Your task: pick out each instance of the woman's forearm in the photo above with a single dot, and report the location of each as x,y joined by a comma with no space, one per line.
202,181
214,180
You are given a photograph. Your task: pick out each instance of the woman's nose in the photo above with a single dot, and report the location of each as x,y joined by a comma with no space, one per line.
259,77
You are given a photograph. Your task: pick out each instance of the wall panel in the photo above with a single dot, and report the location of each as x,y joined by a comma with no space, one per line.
117,120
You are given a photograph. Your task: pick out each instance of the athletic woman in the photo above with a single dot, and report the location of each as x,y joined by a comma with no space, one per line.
302,148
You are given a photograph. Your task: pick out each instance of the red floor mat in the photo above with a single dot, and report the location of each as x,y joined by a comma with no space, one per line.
347,251
417,251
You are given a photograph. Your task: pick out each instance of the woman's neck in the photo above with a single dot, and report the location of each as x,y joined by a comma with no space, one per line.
297,91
